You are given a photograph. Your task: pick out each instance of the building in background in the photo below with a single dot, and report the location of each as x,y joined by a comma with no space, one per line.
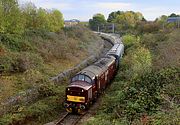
70,23
174,20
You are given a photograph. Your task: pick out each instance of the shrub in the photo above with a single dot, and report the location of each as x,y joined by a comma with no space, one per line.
152,40
12,42
6,62
19,62
137,62
46,90
145,90
166,118
27,61
129,40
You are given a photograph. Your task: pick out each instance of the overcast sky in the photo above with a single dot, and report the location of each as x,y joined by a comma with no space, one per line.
85,9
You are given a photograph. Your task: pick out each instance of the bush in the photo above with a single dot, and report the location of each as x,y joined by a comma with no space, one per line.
144,92
137,62
129,40
166,118
26,61
19,62
6,62
131,101
152,40
42,110
46,90
147,27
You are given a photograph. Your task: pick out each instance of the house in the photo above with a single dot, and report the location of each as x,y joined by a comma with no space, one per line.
173,19
70,23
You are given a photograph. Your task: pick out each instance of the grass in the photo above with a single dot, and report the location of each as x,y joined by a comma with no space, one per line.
30,60
37,55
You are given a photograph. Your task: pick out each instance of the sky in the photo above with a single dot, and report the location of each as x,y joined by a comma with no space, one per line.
85,9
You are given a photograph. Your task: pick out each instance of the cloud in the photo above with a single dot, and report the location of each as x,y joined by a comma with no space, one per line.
85,9
33,1
151,13
113,5
59,6
49,4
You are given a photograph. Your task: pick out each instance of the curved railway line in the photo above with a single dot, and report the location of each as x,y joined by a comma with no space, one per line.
73,119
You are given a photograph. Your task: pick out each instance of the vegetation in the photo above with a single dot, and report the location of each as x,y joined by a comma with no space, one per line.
35,46
30,60
146,88
41,111
17,19
97,20
125,20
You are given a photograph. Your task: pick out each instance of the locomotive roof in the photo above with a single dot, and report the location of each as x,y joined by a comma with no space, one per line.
80,84
98,67
92,71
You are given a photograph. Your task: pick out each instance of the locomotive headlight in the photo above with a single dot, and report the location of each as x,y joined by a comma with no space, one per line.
82,107
82,90
68,89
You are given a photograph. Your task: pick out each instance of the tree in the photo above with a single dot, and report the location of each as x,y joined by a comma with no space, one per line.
161,20
29,11
15,19
174,15
41,19
56,21
11,17
97,20
125,20
112,16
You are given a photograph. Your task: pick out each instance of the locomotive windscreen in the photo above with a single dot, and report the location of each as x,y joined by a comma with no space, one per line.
81,77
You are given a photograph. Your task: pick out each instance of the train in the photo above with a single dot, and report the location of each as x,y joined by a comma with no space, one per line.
89,83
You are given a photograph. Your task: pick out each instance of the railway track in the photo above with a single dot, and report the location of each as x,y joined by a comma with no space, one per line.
72,119
69,119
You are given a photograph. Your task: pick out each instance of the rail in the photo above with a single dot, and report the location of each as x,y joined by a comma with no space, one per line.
69,119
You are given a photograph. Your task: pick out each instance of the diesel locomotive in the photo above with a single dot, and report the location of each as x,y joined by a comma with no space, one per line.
86,85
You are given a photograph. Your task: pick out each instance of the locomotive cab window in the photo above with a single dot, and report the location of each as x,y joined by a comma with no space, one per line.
74,78
87,79
82,77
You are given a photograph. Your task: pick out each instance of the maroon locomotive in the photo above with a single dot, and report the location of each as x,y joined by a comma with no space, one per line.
86,85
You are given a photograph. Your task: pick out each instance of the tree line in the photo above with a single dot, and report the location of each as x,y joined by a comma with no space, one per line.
129,21
16,18
123,20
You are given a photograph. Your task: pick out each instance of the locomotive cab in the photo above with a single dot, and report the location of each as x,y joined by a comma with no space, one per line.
78,93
